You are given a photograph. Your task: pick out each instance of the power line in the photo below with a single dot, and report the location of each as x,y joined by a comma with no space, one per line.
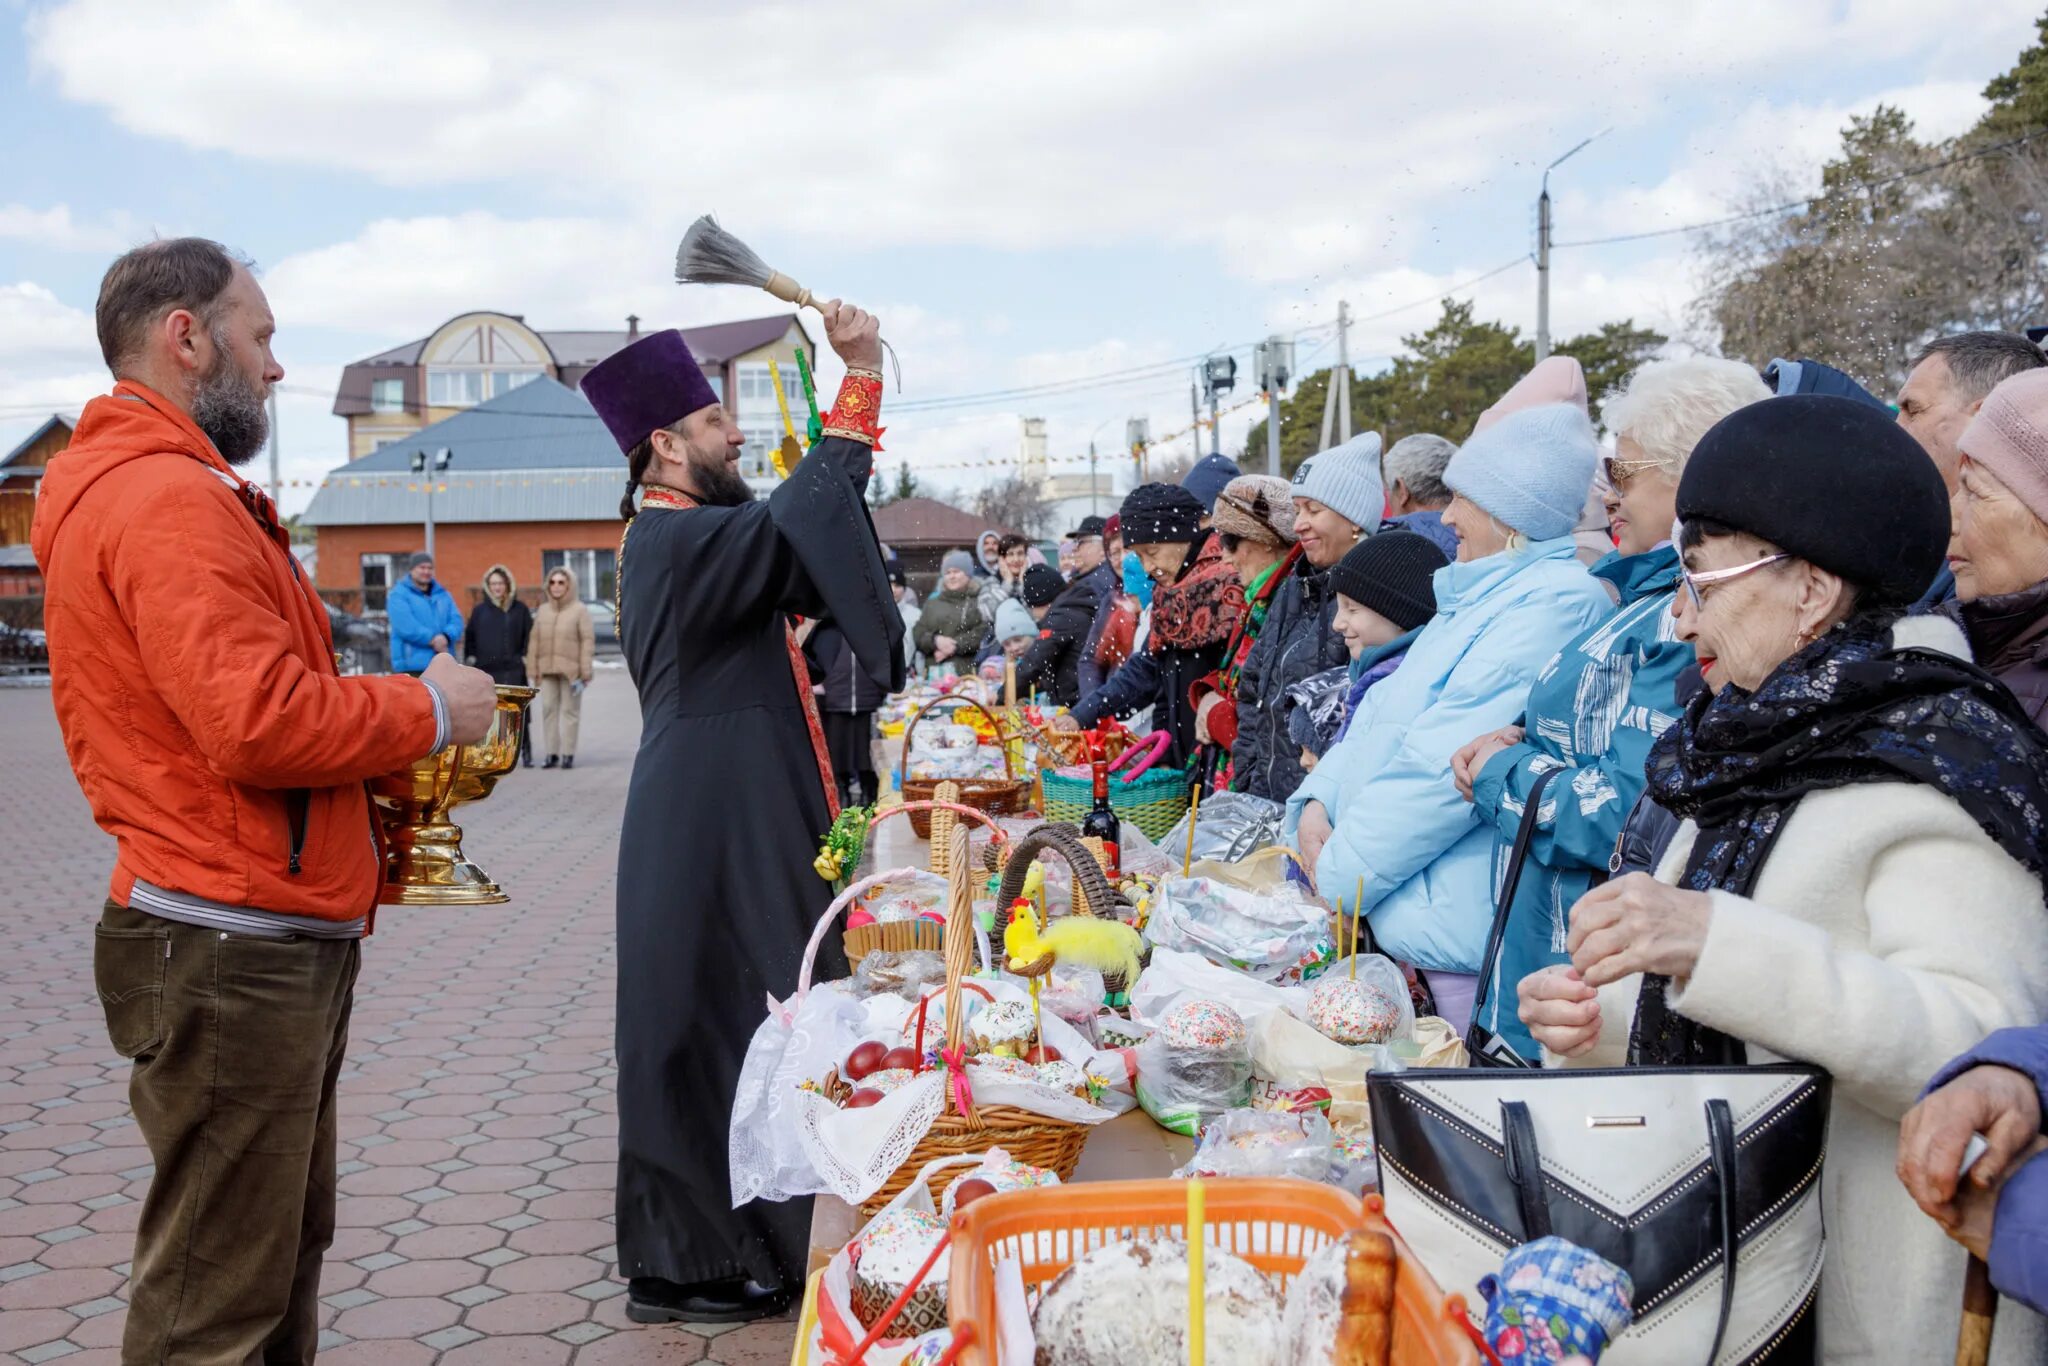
1808,202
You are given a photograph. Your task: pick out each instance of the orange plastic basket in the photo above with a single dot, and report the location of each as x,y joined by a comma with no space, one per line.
1276,1225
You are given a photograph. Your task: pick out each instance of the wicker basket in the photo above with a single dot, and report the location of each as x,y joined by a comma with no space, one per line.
1054,1144
1004,796
1093,895
904,936
1153,799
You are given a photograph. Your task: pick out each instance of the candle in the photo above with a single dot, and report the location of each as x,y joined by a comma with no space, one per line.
1198,1308
1357,901
1010,682
1187,861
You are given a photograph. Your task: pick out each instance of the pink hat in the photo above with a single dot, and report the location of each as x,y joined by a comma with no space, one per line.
2009,437
1557,379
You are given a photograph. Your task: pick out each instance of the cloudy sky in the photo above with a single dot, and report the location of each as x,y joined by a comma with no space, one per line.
1031,194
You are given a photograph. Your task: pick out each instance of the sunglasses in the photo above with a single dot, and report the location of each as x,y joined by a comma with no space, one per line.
1707,578
1619,472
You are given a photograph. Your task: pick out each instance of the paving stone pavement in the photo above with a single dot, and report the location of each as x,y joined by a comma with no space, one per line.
478,1128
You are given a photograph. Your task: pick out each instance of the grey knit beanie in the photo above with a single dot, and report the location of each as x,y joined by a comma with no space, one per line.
1346,479
957,559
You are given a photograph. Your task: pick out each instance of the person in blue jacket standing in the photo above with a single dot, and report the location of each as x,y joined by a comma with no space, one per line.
1378,821
424,619
1601,701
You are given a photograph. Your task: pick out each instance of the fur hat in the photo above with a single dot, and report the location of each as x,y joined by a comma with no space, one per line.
1257,507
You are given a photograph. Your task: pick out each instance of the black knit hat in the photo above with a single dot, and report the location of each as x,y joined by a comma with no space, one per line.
1831,480
1042,583
1153,513
1390,573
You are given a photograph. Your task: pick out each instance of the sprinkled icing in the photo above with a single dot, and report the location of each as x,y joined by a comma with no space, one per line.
1064,1076
895,1246
888,1079
1128,1304
1352,1012
1006,1022
1009,1067
1209,1025
1005,1174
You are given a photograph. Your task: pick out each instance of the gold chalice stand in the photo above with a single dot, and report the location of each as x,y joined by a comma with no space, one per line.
423,862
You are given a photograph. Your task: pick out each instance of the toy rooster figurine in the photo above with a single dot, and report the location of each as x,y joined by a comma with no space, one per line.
1109,946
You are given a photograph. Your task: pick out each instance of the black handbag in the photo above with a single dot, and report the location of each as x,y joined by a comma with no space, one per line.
1487,1048
1702,1183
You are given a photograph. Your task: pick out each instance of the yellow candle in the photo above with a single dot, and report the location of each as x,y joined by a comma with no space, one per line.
1198,1308
1187,861
1357,901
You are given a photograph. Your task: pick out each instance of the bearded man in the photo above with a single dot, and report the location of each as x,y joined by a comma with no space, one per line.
192,670
731,793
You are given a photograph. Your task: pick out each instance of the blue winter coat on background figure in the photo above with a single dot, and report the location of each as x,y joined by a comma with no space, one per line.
1593,713
1397,822
2019,1226
416,617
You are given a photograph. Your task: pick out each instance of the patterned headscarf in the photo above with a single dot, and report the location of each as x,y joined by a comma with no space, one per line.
1852,707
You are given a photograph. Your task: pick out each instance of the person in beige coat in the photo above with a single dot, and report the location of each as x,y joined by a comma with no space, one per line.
558,661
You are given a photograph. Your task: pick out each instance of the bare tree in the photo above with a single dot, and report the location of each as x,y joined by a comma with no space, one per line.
1015,503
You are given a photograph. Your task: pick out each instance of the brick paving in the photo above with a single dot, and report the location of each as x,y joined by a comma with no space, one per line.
478,1129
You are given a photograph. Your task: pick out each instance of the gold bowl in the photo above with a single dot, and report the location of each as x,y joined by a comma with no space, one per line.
423,860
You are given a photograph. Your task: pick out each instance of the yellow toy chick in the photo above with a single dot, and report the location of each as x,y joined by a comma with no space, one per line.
1109,946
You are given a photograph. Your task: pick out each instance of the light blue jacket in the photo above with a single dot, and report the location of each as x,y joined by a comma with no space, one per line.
1593,712
416,618
1399,824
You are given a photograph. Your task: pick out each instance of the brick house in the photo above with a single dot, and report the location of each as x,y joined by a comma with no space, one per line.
922,530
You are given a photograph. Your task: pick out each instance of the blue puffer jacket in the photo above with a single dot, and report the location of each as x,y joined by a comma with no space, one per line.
1398,822
416,617
1593,713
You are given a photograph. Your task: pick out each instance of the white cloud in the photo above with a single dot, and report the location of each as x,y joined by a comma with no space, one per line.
56,229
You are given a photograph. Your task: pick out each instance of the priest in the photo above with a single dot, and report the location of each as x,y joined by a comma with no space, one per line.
730,795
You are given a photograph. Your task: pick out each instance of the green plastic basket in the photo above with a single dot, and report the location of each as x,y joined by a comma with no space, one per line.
1154,801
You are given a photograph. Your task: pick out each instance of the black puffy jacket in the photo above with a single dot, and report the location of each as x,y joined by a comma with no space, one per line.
1053,663
1295,641
848,688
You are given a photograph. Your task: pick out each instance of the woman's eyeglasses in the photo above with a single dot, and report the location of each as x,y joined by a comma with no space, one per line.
1619,472
1707,578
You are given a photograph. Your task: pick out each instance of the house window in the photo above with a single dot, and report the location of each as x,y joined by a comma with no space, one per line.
455,388
505,381
387,395
379,573
754,391
757,456
595,571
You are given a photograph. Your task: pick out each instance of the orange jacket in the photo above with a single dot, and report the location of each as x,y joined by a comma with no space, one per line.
193,674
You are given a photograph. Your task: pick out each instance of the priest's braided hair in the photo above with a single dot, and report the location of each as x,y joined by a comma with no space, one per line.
637,462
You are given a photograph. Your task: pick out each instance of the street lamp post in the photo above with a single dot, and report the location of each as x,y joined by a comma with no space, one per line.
429,467
1543,247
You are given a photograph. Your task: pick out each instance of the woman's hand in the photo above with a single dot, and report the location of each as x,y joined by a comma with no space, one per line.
1637,924
1562,1012
1991,1100
1467,762
943,648
1065,721
1311,835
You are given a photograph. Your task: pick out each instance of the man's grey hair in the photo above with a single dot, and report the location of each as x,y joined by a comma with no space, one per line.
1980,361
1418,461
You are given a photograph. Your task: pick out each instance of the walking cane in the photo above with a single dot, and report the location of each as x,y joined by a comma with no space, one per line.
1980,1306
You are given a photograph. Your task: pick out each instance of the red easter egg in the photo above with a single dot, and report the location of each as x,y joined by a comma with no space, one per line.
865,1058
905,1058
863,1098
1039,1053
859,919
969,1191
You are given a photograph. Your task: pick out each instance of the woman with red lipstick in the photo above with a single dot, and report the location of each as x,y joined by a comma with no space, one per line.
1597,706
1857,884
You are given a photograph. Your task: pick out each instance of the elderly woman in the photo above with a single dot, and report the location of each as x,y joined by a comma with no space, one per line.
1195,608
1254,521
1337,502
1857,884
1998,545
1379,820
1610,692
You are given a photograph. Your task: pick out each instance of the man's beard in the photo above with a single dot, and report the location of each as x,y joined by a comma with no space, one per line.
718,480
228,408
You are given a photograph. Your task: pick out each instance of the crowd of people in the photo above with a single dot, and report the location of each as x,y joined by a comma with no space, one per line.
1772,673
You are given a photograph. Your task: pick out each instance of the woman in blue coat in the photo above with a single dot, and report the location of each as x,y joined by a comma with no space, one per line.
1378,820
1602,699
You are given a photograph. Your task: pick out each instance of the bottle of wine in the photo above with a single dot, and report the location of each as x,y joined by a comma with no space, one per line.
1101,823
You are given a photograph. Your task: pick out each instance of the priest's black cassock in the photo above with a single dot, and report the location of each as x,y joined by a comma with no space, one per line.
716,893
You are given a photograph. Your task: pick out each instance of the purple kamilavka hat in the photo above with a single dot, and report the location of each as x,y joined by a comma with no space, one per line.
649,384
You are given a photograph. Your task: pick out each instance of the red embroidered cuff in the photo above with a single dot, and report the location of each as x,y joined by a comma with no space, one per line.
856,413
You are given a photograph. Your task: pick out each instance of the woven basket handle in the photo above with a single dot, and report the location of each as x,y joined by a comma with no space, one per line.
787,1010
959,942
956,700
1093,894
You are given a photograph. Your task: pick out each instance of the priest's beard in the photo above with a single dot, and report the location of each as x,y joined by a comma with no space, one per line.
229,409
717,479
